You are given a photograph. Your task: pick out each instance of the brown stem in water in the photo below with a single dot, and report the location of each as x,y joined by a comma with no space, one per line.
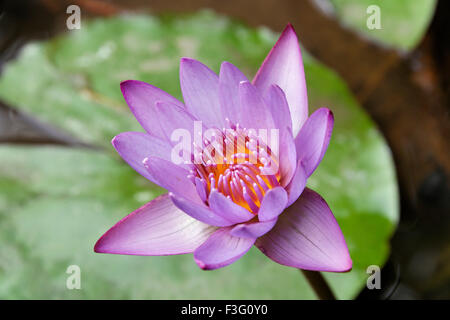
319,285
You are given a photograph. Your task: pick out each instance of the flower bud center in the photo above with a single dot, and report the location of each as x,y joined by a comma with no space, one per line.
237,163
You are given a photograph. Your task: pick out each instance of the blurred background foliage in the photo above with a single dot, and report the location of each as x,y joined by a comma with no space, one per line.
404,22
55,201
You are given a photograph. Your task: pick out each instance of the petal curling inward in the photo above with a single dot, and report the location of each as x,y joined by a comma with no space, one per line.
313,139
287,157
134,147
273,204
297,184
171,177
221,249
141,98
283,66
307,236
254,229
157,228
199,211
227,209
200,89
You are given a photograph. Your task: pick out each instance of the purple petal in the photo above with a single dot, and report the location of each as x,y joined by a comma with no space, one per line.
312,140
157,228
200,88
227,209
255,114
273,203
284,66
199,211
253,229
171,118
279,107
221,249
297,184
229,79
171,177
134,147
307,236
287,157
141,97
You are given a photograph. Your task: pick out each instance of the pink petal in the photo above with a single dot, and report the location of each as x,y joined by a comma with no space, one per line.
312,140
307,236
273,204
157,228
279,108
221,249
254,229
199,211
141,97
172,117
200,88
134,147
287,156
227,209
297,184
254,112
171,177
229,79
283,66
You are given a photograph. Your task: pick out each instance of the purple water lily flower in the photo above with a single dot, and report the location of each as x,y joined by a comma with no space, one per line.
218,208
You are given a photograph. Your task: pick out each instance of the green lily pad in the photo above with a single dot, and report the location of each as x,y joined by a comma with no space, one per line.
402,22
55,202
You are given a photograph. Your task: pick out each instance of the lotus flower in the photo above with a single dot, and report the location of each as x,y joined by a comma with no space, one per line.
218,208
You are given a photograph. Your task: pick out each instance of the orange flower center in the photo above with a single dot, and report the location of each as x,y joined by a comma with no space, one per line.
237,163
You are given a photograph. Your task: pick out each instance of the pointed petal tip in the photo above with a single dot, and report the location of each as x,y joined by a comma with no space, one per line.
348,266
124,83
97,246
226,63
289,27
313,139
114,141
345,268
326,111
201,265
187,61
330,115
127,83
157,228
101,246
284,66
289,30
